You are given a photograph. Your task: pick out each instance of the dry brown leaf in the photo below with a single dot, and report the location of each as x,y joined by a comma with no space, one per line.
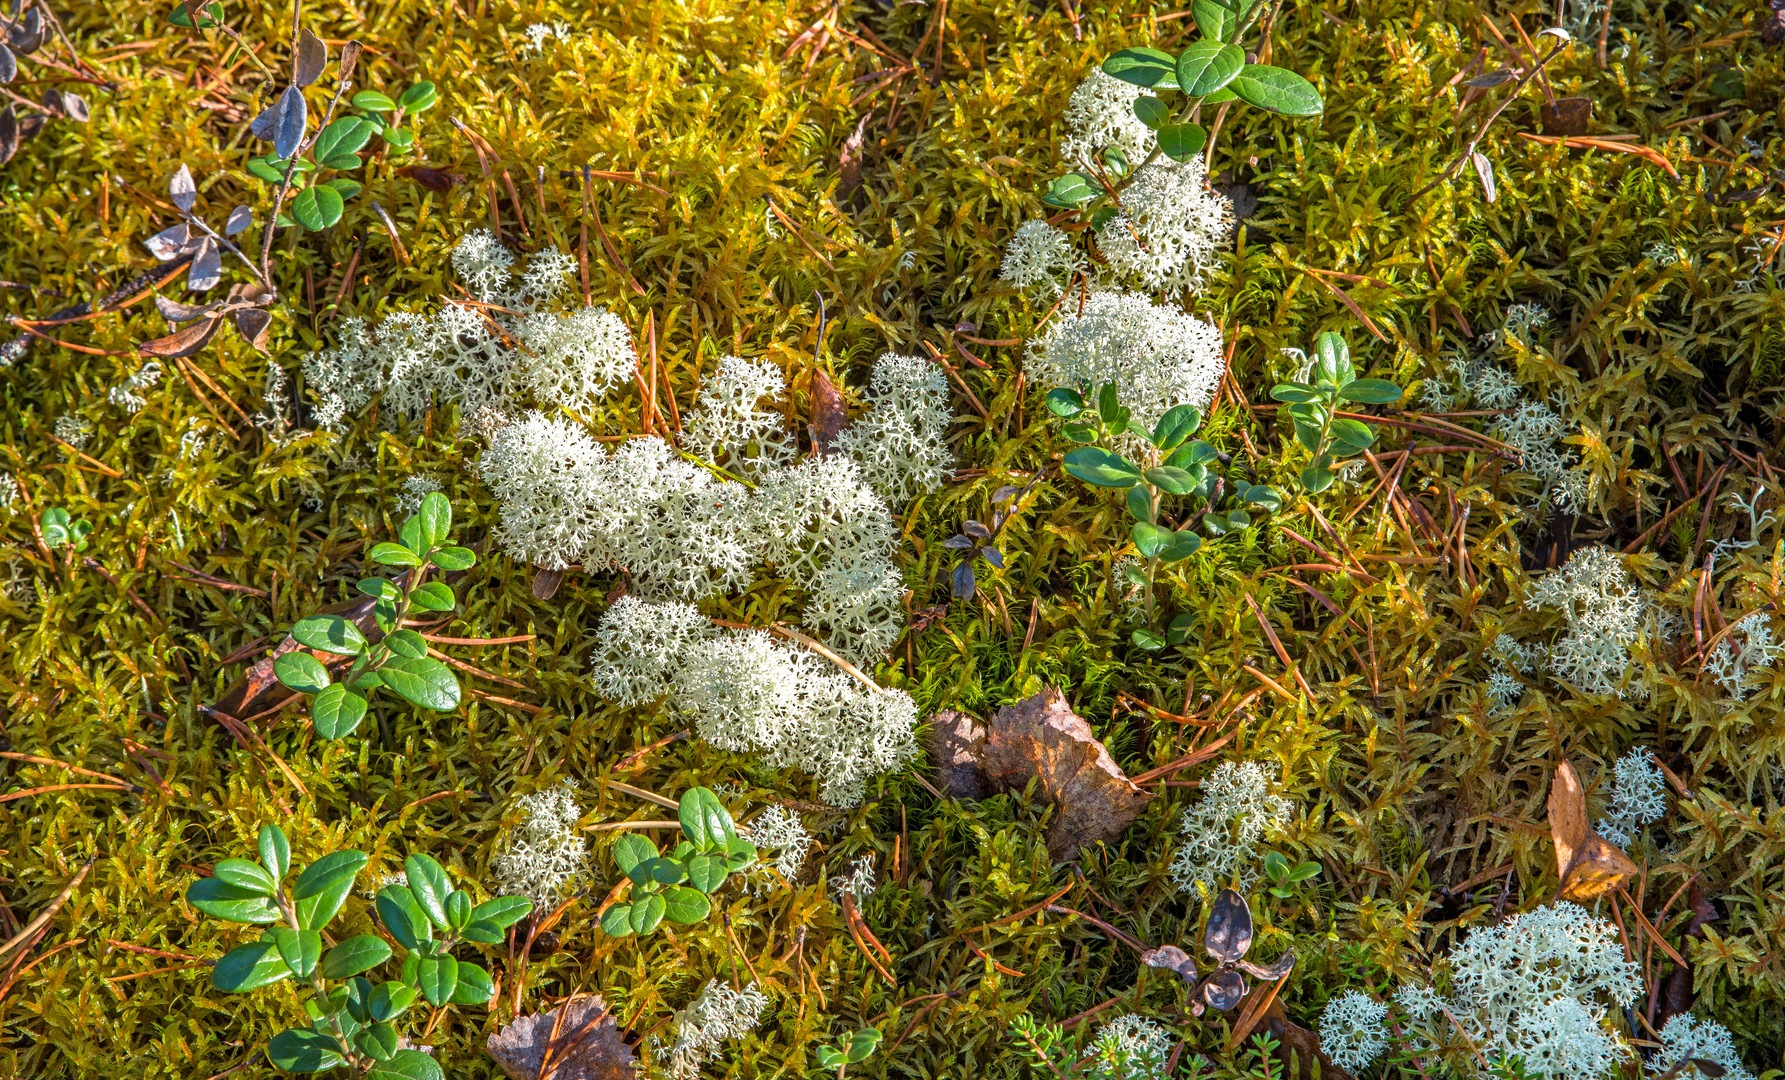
1041,736
957,741
1568,116
546,582
1586,862
587,1046
184,342
828,414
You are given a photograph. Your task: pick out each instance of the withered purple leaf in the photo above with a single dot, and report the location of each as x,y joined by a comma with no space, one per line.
1172,957
958,541
311,59
176,313
169,242
585,1044
1491,79
76,107
27,36
207,267
1005,494
182,190
184,342
9,134
1224,989
975,529
1270,972
290,118
962,582
1229,932
993,556
253,325
828,414
262,126
9,65
239,219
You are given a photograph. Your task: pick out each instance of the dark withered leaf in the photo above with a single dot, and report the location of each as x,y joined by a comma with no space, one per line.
207,267
52,103
1272,971
976,529
1484,169
1568,116
9,134
75,106
182,190
849,164
169,242
184,342
433,179
26,37
546,582
1492,78
290,117
9,65
253,325
262,125
1229,933
1041,737
1173,958
176,313
958,542
349,60
588,1045
828,414
239,219
1005,494
962,581
312,58
993,556
957,742
1224,989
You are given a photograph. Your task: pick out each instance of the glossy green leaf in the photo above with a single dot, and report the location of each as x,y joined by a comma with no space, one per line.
438,977
1296,393
455,558
1265,497
484,933
344,187
330,634
418,98
345,135
406,643
1181,142
378,1042
1216,20
305,1051
275,851
739,853
1179,630
403,918
299,949
1072,190
504,911
394,555
336,712
200,16
662,871
631,851
1207,66
1109,405
221,900
1317,479
617,921
1148,67
301,672
373,101
1332,361
316,208
1171,479
434,596
707,872
1184,544
475,985
1150,540
705,821
1371,391
382,588
1277,90
684,905
1080,433
1178,424
458,909
327,872
1150,640
860,1044
1350,437
388,1000
647,911
356,954
1094,465
429,885
1150,111
245,875
261,168
1140,503
1065,402
249,967
423,682
435,516
408,1065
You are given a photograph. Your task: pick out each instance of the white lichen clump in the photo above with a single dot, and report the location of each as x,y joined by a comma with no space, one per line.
1100,115
780,831
1686,1036
1170,228
1222,831
1352,1030
1156,355
897,441
73,430
1039,256
415,489
128,394
1130,1047
1638,797
730,426
545,853
701,1029
1737,660
858,884
1605,617
1530,987
486,355
751,692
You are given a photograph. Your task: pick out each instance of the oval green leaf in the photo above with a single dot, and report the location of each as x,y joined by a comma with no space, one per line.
419,98
434,596
1150,540
618,921
299,949
330,634
249,967
244,875
1178,424
1143,66
343,136
684,905
647,912
301,672
1070,191
475,985
402,917
455,558
356,954
327,873
1207,66
435,514
373,101
303,1050
438,977
503,911
1150,111
336,712
316,208
221,900
408,1065
1095,465
1181,142
1150,640
458,909
275,851
1216,20
1065,402
705,821
1371,391
394,555
430,885
423,682
1172,479
1277,90
706,872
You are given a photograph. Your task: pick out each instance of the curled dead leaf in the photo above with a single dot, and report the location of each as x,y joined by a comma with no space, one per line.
253,325
1587,863
184,342
1041,738
441,180
169,242
312,58
576,1041
828,414
176,313
546,582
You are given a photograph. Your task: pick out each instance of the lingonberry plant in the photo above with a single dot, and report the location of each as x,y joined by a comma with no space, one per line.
399,661
353,1021
1314,398
710,850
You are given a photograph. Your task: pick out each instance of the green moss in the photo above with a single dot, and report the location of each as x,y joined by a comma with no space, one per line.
1407,782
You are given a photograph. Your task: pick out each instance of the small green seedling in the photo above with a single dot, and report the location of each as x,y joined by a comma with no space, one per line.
353,1021
61,531
710,849
857,1047
1284,877
1174,465
386,116
1313,408
399,662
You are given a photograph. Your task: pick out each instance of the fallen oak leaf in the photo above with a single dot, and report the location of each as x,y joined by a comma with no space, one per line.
827,414
576,1041
1587,864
